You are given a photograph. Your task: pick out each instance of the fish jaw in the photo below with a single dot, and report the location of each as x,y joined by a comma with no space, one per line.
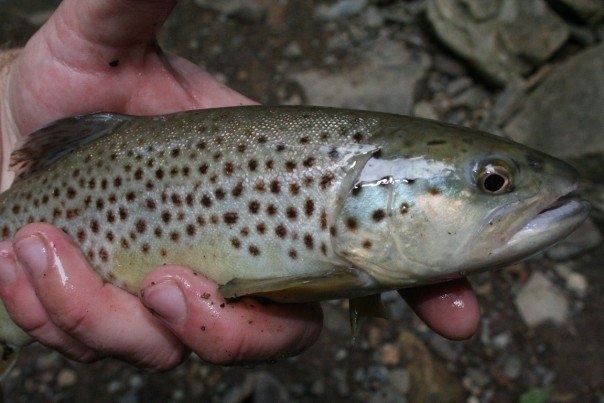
547,227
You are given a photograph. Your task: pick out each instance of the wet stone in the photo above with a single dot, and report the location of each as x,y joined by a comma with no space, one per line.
540,301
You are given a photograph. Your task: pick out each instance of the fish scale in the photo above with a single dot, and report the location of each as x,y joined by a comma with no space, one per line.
202,190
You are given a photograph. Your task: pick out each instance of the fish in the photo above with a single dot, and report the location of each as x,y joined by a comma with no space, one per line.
289,203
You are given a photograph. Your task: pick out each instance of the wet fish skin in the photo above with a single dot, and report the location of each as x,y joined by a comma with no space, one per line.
293,203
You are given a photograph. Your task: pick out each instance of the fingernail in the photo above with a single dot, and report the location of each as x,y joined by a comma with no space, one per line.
33,255
8,269
166,300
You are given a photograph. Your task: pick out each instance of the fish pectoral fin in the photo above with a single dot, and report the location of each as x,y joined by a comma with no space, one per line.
58,139
365,307
336,283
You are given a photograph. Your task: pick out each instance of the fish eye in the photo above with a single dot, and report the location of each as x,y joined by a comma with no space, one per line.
494,178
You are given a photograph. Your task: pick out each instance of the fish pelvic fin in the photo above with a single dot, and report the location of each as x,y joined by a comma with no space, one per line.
365,307
58,139
333,284
7,359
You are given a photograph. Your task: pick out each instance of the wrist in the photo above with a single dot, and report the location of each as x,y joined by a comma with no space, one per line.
8,131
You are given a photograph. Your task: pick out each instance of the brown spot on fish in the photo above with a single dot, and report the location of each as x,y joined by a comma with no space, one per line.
367,244
404,209
175,152
236,242
206,201
219,193
230,217
294,188
291,213
110,216
124,243
271,209
81,235
323,220
71,193
254,250
308,241
217,156
175,236
214,219
201,221
269,164
158,231
149,185
309,162
138,174
159,174
245,231
191,230
261,228
145,248
281,231
123,213
259,186
326,180
309,207
275,186
228,168
308,181
176,199
352,224
189,199
252,165
103,255
141,225
280,147
237,189
262,139
110,236
203,168
94,226
254,206
130,196
166,217
357,137
241,148
290,166
333,154
436,142
292,254
434,191
378,215
323,248
304,140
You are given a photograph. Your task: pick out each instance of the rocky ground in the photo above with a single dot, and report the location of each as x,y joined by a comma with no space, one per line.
533,71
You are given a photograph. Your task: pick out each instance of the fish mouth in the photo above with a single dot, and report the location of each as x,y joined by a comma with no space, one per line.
550,225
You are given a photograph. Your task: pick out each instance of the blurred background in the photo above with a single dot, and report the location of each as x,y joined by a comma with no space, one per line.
529,70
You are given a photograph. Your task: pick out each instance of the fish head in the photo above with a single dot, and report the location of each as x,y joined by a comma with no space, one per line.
440,201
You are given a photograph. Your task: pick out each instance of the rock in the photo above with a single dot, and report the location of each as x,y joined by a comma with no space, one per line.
575,282
503,39
384,81
590,11
67,377
243,10
512,367
563,116
258,387
424,110
540,301
389,354
341,9
430,380
400,381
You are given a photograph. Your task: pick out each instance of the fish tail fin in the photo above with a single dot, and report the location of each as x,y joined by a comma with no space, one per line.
8,358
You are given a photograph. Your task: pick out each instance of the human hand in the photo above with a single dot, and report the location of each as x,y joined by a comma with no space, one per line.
69,67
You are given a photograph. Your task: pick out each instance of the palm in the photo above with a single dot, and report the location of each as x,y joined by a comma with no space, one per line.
67,69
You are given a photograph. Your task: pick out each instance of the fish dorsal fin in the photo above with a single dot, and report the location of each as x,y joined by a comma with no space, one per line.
58,139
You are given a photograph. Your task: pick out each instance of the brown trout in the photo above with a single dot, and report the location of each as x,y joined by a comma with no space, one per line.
289,203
